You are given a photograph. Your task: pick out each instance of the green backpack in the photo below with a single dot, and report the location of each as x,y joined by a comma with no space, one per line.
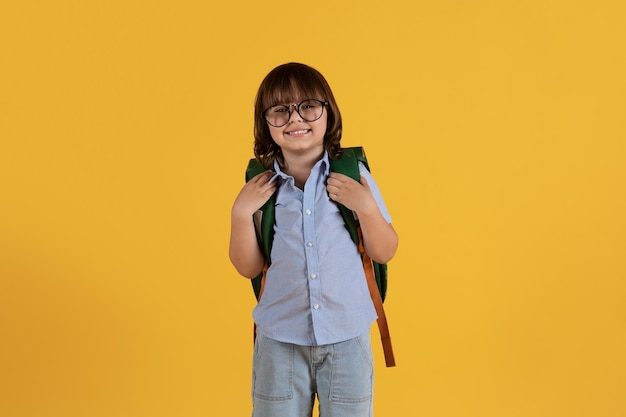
347,164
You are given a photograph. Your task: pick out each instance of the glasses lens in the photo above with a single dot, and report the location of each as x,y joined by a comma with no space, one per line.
277,115
311,110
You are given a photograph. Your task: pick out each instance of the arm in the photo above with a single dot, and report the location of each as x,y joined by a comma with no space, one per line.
379,237
244,251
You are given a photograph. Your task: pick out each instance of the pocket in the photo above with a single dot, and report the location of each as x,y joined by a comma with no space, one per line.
273,370
352,377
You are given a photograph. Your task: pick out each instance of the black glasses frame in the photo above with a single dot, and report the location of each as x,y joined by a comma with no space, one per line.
297,106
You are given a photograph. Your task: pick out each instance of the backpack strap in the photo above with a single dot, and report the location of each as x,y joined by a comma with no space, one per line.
264,224
348,165
383,327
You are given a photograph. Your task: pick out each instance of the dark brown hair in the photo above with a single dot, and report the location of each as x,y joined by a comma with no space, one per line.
289,83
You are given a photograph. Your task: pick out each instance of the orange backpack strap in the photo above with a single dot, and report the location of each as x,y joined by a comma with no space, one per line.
383,327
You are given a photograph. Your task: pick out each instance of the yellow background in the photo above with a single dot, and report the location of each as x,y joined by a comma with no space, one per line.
496,130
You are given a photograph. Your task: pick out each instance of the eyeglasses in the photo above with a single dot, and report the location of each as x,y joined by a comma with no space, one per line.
310,110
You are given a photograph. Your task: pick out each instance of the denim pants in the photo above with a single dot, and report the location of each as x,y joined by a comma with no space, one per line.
286,378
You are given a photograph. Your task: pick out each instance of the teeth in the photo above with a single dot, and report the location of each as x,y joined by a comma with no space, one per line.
298,132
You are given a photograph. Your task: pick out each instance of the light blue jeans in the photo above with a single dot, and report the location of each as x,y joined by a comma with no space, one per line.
287,377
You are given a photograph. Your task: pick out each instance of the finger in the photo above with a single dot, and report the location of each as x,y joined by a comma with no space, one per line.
337,182
271,187
363,182
268,193
263,176
265,187
331,188
332,183
339,177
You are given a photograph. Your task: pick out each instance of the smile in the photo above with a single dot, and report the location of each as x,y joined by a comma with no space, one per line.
299,132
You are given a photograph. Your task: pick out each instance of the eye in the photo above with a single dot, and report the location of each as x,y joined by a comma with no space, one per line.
279,109
308,105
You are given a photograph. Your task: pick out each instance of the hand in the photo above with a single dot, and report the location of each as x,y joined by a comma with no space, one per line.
254,194
379,237
356,196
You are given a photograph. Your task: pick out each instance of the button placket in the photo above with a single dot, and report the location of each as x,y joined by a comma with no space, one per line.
308,219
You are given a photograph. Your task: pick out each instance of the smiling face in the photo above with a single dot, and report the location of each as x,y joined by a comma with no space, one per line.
300,137
289,84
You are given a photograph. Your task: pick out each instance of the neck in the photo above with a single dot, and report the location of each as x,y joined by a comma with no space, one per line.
299,166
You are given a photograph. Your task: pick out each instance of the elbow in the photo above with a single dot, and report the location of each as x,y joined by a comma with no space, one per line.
383,258
386,252
247,266
246,270
250,273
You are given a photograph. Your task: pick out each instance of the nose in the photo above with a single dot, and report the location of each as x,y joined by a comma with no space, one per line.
293,110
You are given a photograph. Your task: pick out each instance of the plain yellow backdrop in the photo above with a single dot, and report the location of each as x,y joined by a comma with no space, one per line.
496,130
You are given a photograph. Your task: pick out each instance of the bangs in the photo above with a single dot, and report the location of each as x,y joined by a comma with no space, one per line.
290,88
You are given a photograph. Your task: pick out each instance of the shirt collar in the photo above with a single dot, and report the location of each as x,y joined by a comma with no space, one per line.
323,164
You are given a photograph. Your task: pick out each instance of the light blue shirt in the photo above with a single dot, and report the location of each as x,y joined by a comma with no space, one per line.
315,289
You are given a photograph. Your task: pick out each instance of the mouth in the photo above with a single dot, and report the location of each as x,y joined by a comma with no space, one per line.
300,132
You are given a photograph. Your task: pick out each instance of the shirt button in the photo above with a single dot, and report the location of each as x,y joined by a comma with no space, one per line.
308,212
316,306
313,276
310,244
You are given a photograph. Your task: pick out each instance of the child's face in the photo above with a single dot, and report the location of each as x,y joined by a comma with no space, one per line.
300,137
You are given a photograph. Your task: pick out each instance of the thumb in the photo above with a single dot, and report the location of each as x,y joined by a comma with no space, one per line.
363,182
